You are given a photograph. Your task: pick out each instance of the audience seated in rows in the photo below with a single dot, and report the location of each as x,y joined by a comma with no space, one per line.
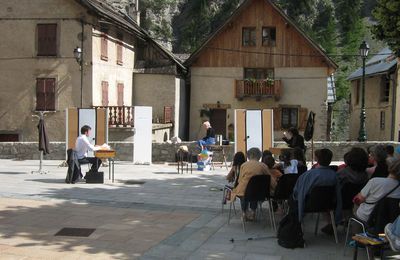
287,163
249,169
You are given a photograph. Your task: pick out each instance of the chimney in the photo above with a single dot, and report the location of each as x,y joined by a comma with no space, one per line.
132,9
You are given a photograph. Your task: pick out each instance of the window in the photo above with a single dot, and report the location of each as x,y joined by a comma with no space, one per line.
45,94
120,89
9,138
104,93
249,36
289,117
258,73
268,36
47,40
385,89
357,93
119,45
104,47
382,121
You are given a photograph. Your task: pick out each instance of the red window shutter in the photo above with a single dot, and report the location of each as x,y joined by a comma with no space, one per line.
277,118
50,95
47,39
104,47
40,95
167,115
120,88
303,116
119,53
104,93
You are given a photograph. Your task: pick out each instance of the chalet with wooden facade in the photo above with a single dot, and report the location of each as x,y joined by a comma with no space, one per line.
382,97
259,59
39,72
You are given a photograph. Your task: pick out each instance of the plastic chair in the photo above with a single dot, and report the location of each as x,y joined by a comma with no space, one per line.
284,188
322,199
257,190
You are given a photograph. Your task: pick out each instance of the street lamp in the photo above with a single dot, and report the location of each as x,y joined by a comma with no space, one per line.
362,134
79,59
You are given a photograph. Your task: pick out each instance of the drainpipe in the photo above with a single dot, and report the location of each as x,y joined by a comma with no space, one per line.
82,60
394,101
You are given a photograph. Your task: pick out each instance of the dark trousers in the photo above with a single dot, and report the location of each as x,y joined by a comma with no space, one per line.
94,161
245,204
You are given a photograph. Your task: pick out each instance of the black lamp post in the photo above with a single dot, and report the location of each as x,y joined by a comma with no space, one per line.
362,134
79,59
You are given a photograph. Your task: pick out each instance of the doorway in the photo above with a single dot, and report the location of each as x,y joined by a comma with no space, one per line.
218,121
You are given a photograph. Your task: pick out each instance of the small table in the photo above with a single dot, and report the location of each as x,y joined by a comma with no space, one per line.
370,245
217,148
110,155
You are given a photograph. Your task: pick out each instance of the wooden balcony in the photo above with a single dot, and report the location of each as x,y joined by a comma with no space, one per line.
258,89
119,116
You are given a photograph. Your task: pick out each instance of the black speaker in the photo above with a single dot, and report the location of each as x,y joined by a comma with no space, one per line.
94,177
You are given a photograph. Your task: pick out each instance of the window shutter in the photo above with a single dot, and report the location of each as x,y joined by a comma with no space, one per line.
104,47
50,94
119,53
120,88
167,115
40,95
277,118
303,113
47,39
104,93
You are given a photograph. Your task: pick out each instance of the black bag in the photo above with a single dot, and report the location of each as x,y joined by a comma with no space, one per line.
94,177
290,233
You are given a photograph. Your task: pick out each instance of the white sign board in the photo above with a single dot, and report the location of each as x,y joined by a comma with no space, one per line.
142,140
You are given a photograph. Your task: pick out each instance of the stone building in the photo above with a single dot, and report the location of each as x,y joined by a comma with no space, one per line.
257,59
382,96
39,72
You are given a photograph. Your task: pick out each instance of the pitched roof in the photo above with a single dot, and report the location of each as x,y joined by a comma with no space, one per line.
381,63
107,12
196,53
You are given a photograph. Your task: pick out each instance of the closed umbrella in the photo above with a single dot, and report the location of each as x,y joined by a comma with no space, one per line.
43,142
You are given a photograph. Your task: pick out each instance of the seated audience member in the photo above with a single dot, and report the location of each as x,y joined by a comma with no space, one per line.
270,162
392,232
390,154
375,189
266,153
288,164
397,152
322,175
238,160
294,139
298,155
210,136
380,169
356,161
249,169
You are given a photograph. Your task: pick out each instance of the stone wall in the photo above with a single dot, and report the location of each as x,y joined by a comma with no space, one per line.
162,152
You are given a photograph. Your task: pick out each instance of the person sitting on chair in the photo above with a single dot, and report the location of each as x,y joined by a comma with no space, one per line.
209,138
249,169
82,146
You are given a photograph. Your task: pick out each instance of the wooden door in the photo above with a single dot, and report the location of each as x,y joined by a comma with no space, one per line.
218,121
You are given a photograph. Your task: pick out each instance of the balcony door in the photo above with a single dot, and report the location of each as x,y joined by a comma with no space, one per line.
218,121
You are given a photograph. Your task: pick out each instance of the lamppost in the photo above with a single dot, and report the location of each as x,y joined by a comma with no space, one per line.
362,134
79,59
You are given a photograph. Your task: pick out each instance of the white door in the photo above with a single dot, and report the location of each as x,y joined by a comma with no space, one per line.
253,129
88,117
142,140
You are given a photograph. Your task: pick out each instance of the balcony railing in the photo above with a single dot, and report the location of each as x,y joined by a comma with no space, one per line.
258,89
119,116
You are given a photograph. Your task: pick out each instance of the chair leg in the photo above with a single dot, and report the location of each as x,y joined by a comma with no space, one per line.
230,211
316,225
271,214
333,222
346,240
234,209
223,200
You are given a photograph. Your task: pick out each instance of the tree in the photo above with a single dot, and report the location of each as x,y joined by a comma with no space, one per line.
387,14
324,28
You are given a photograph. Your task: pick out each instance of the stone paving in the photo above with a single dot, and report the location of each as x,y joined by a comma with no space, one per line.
159,215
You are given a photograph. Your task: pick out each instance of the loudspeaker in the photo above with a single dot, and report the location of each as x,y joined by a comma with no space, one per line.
94,177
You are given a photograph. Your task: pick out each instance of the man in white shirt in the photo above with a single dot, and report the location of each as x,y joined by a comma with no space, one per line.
83,145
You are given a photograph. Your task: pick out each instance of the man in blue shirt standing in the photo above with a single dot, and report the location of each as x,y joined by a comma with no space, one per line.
320,176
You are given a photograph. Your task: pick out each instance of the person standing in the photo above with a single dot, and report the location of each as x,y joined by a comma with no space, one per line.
83,145
294,139
210,136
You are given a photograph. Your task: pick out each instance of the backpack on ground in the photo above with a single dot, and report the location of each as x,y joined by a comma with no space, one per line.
290,233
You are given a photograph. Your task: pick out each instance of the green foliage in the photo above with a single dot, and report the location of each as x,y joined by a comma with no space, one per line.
324,27
387,14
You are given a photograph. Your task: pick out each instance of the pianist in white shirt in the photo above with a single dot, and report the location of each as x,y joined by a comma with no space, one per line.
83,145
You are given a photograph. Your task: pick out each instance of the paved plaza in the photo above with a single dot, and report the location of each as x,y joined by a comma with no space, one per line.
149,212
